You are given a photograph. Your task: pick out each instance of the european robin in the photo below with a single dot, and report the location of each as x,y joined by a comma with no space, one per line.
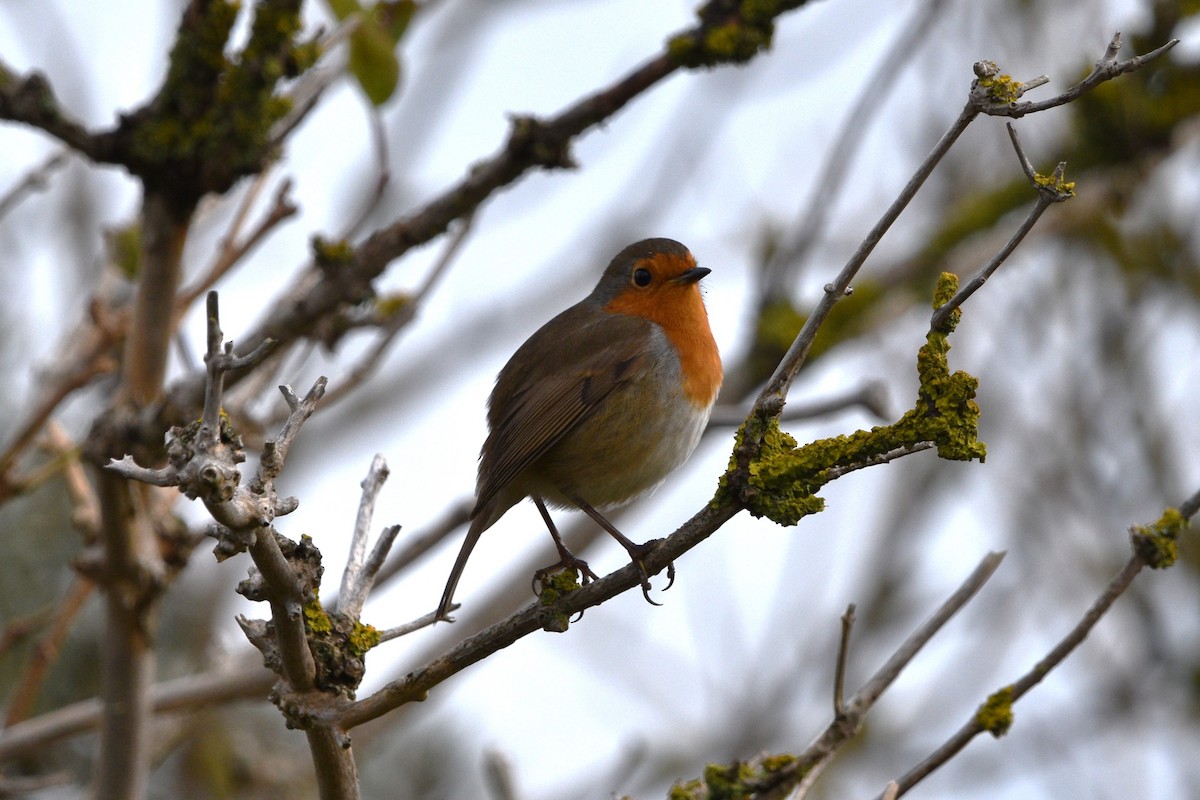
602,402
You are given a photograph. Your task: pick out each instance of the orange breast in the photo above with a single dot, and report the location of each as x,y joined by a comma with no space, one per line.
679,309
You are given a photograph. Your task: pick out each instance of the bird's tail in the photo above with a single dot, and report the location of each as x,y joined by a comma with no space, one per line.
480,522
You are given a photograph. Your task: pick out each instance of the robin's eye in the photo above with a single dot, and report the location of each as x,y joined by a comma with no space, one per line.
642,277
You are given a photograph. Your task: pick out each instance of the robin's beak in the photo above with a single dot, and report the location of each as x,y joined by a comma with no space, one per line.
692,275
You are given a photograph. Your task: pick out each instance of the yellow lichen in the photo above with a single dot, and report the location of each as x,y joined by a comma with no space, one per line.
781,479
1158,543
996,715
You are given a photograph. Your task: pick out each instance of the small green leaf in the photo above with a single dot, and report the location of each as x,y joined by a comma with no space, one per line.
343,8
373,61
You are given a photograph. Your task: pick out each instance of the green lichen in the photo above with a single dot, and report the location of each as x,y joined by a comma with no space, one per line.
389,305
947,287
728,781
315,618
363,637
211,121
739,780
338,644
996,715
1001,88
692,790
737,42
552,588
729,33
329,253
781,479
1057,184
1158,543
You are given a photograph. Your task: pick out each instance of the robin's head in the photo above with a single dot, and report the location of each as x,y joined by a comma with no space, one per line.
648,277
658,280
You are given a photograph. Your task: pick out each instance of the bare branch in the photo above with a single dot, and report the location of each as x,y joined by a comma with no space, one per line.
225,685
533,617
1049,191
871,397
839,674
1010,694
1105,69
423,621
845,726
35,180
233,250
360,572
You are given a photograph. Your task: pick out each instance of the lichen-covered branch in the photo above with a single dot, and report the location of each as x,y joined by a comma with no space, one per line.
1154,546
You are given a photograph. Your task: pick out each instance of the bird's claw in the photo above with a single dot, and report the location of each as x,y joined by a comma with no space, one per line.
580,567
637,556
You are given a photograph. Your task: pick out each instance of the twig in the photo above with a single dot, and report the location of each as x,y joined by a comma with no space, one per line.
883,458
1107,68
206,689
233,250
1049,191
1019,688
35,180
360,572
871,396
846,142
423,621
839,674
416,684
846,725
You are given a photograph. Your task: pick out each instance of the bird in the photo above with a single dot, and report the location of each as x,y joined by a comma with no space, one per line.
601,403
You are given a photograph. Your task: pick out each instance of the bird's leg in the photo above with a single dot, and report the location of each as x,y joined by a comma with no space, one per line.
567,559
636,551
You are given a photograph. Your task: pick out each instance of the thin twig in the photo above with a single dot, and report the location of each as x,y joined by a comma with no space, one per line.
871,397
357,579
974,727
233,249
423,621
395,322
35,180
1049,191
839,674
1073,639
1105,69
204,690
846,725
846,141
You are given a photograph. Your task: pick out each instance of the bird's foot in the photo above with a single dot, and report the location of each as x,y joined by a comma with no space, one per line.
568,562
638,552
